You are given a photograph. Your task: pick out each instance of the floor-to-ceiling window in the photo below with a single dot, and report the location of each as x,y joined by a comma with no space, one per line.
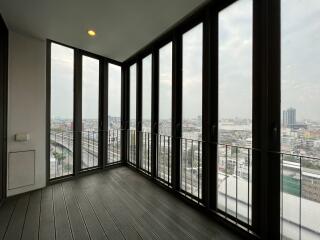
114,113
132,112
300,131
235,110
78,111
61,122
145,147
90,112
191,148
165,113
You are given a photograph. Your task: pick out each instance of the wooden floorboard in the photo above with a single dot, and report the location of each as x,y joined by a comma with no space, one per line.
118,204
114,206
143,216
163,223
47,221
177,228
107,221
79,229
93,225
189,217
17,221
6,212
62,223
136,218
31,226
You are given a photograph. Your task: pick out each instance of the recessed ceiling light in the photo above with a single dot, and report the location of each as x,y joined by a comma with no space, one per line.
91,33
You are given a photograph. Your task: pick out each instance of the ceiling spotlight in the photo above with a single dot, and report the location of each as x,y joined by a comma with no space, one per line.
91,33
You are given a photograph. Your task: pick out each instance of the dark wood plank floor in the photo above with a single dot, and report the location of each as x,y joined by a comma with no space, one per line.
115,204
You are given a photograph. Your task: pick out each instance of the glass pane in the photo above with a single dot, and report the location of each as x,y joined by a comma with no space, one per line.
61,125
191,174
235,110
114,113
146,113
300,132
133,99
165,112
90,112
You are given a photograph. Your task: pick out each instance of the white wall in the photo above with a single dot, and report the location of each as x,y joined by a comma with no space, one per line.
27,101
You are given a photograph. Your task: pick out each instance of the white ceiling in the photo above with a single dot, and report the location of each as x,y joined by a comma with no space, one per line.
123,26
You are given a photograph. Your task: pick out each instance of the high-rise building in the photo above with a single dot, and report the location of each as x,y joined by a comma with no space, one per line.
289,117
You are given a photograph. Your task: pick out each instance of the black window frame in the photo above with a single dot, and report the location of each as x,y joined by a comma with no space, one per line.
77,114
265,110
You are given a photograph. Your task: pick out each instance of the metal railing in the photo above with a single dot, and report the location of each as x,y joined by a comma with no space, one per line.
132,145
164,145
145,162
114,146
89,149
61,154
191,167
234,188
300,197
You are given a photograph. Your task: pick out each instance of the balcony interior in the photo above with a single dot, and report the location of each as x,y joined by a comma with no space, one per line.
159,119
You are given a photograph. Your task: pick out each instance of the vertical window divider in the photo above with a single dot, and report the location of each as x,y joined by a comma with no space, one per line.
103,126
210,107
125,110
154,111
48,110
139,114
77,124
266,119
176,109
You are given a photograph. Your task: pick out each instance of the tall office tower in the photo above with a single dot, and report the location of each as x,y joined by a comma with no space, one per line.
284,118
289,117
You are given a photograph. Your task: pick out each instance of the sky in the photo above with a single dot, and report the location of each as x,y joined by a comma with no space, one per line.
192,73
90,88
133,89
165,81
301,57
114,89
61,82
62,85
146,87
235,60
300,73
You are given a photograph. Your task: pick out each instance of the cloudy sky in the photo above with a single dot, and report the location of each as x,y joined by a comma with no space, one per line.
301,57
61,82
165,81
235,60
62,85
300,71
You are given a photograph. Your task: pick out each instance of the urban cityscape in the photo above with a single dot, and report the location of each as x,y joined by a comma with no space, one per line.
61,147
300,147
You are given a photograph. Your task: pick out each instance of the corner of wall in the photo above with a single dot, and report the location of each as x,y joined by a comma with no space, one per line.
27,103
